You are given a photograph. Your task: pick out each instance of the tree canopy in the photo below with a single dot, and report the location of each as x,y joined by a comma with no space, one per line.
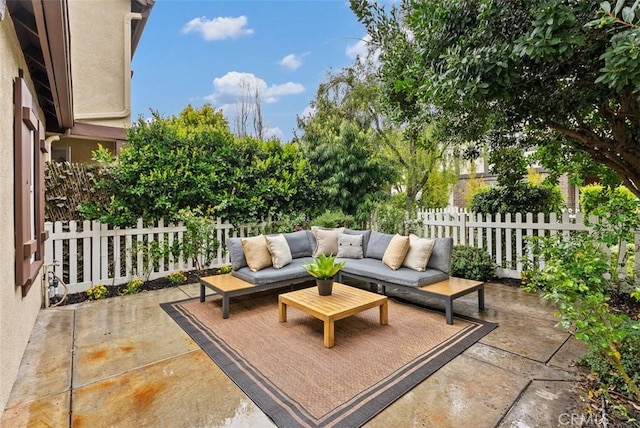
551,73
192,161
413,159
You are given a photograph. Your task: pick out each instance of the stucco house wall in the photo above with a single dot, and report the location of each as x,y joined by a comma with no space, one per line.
17,313
99,68
101,73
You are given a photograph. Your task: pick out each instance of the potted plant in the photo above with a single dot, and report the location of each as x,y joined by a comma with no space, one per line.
324,269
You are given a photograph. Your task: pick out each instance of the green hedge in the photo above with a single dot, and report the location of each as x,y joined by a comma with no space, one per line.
472,263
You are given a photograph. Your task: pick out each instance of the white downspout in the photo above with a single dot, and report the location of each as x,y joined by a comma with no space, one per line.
126,74
44,282
47,144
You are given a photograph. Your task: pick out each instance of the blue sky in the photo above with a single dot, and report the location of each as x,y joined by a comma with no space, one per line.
208,51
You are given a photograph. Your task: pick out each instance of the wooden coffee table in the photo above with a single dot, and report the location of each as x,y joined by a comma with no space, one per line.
342,303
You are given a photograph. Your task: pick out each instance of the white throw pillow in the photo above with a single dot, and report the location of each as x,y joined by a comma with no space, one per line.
280,251
350,246
419,253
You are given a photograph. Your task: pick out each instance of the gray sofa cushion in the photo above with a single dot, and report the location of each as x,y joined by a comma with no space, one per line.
299,244
366,234
377,245
236,253
293,273
312,240
441,255
374,269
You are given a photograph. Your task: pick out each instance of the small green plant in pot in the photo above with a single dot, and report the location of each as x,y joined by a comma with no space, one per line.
324,268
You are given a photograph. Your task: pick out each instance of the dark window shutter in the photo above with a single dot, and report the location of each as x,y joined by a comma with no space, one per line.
29,188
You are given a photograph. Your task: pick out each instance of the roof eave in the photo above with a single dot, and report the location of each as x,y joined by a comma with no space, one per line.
137,27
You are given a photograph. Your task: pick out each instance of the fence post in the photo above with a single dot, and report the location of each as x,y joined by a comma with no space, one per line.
48,244
104,253
73,252
219,239
95,252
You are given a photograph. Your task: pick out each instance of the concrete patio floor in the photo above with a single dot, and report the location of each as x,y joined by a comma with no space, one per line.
123,362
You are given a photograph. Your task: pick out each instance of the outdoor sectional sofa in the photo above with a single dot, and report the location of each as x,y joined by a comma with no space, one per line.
367,259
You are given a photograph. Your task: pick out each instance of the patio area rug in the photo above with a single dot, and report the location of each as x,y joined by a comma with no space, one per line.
286,370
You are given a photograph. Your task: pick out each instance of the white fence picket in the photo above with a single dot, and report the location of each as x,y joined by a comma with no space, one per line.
73,254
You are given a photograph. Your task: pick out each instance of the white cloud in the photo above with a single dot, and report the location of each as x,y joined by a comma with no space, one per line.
235,86
273,133
234,94
360,49
219,28
308,112
273,92
292,61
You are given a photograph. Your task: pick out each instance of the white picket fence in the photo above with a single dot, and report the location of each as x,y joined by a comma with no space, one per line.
91,253
501,235
87,253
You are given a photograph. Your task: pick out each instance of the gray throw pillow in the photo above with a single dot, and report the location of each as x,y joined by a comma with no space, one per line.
350,246
378,243
236,253
441,255
312,240
299,244
365,237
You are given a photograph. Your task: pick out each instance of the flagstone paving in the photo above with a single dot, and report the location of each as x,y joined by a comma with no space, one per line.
123,362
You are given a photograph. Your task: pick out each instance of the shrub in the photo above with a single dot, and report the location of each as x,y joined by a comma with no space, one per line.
594,198
199,242
471,263
133,286
629,349
617,220
152,252
177,278
573,278
96,292
225,269
391,216
333,219
284,223
522,198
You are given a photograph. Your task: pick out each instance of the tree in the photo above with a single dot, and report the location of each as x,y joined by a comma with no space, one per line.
192,161
249,106
418,154
193,120
352,177
533,72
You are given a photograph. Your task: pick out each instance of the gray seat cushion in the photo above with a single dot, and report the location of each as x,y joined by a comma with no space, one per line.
375,270
293,272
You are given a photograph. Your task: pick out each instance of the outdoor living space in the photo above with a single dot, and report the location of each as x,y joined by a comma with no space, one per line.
124,362
468,188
